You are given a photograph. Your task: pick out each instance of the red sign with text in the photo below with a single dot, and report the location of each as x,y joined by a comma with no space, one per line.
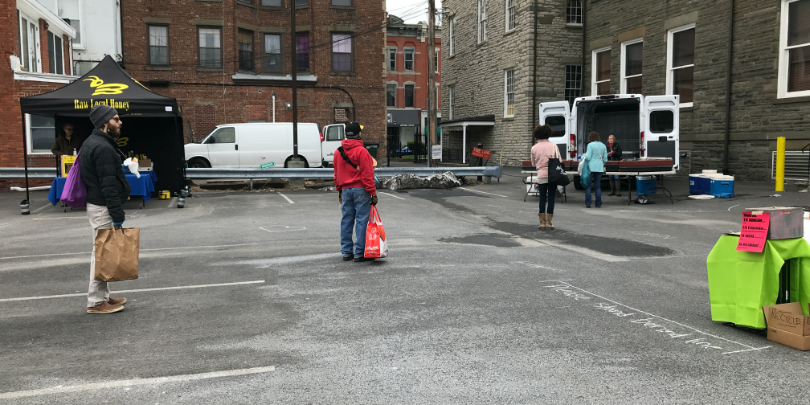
754,232
482,153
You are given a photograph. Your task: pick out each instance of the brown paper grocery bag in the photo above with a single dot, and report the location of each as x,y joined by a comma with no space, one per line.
117,254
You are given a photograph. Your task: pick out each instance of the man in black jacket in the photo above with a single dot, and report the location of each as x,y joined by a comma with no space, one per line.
107,189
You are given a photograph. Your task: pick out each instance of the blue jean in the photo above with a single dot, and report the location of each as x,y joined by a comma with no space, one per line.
614,177
547,193
596,181
356,209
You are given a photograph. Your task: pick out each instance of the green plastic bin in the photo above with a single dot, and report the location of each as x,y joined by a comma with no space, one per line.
372,149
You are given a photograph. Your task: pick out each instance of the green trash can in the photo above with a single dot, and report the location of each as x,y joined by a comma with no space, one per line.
372,149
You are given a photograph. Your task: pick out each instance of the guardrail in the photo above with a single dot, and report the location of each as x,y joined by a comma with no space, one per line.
33,172
313,173
795,165
320,173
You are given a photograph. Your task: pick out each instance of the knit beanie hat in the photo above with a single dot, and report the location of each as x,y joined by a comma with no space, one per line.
353,130
100,114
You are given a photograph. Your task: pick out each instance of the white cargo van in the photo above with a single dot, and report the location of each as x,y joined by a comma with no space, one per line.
644,126
332,136
255,145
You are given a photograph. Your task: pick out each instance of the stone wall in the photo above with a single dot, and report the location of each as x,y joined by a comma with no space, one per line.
758,115
477,70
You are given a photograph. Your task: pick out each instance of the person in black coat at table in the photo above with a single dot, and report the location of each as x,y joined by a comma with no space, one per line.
614,152
100,163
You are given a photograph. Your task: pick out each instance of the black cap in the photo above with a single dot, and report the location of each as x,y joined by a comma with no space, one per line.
353,130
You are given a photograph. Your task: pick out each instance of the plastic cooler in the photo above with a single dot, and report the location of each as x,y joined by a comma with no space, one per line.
722,186
694,184
645,185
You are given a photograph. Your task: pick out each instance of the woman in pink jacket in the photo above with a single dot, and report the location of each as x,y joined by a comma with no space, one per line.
542,151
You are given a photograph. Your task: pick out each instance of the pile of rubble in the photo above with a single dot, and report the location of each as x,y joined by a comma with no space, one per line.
410,181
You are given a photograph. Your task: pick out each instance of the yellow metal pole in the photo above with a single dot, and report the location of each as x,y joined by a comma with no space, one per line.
780,163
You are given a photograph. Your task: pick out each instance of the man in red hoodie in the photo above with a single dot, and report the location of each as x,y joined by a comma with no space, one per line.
354,181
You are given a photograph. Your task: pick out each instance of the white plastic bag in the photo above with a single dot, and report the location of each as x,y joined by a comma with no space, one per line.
579,168
133,167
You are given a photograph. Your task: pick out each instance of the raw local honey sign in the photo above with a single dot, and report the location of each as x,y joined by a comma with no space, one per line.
754,232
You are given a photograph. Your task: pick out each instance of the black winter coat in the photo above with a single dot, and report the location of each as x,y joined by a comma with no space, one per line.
617,151
102,174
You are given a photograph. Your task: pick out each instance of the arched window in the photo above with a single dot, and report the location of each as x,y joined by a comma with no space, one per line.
573,14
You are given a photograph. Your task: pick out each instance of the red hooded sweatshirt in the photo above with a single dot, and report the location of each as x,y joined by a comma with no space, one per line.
347,176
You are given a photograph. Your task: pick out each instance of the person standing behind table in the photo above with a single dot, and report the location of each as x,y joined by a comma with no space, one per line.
107,189
354,181
595,158
542,151
614,152
66,143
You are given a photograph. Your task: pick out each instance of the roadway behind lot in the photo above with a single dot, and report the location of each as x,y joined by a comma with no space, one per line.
243,298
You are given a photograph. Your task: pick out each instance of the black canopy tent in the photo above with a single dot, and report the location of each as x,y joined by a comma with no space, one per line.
152,124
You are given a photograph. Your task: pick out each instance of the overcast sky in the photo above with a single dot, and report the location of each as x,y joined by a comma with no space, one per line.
412,11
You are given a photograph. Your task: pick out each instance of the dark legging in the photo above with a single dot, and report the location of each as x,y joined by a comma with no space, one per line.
547,192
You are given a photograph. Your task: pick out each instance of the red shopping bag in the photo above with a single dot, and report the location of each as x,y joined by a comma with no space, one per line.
376,247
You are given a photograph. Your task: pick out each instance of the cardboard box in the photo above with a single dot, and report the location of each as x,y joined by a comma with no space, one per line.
786,222
144,165
788,325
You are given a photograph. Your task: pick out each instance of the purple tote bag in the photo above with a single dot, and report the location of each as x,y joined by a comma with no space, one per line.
74,194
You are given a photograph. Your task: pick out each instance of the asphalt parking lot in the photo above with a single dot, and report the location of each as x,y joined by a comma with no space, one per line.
243,298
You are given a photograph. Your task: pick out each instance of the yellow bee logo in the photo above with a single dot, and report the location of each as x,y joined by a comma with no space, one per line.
122,141
105,89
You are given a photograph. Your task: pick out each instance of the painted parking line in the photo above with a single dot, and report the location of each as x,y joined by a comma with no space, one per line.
391,195
142,250
172,202
185,287
566,288
286,198
41,208
483,192
62,389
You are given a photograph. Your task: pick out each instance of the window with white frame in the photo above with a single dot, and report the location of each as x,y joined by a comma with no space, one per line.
452,35
573,12
438,97
451,92
600,76
41,133
573,82
509,93
409,58
794,49
482,21
70,10
272,53
158,45
681,63
510,14
632,58
436,60
392,59
56,60
28,43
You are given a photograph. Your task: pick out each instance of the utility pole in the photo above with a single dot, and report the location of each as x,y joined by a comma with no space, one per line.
294,53
432,79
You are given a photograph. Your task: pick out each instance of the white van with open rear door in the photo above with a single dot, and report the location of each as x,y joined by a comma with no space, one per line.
333,135
644,126
254,146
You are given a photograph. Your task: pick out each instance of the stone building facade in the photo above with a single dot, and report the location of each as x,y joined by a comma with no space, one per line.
761,111
527,49
684,49
223,60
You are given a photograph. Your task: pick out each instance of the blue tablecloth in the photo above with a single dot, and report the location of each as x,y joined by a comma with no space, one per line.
143,187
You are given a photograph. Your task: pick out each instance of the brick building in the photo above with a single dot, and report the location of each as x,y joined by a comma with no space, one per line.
501,59
223,60
632,46
406,57
37,48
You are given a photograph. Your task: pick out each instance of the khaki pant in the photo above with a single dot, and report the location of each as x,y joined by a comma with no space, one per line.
99,291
